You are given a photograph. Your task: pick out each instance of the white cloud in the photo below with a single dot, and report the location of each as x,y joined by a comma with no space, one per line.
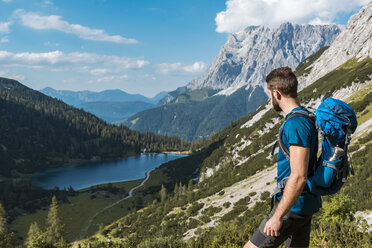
47,2
153,77
58,60
242,13
112,78
53,22
4,27
50,44
99,71
4,40
166,68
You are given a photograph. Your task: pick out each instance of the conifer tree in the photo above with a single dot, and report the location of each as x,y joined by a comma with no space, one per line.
190,191
7,238
184,189
36,238
163,193
54,224
175,192
189,186
175,189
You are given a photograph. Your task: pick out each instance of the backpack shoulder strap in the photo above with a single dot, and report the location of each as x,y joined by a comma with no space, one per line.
303,113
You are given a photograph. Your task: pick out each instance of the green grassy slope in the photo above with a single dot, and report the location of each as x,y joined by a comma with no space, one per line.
305,66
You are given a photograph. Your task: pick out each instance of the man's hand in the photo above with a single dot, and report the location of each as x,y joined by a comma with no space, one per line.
272,226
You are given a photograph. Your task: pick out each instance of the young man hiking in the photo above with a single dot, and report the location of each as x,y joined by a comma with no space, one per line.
290,218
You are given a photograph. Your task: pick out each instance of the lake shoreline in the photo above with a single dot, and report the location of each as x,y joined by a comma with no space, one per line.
77,162
94,173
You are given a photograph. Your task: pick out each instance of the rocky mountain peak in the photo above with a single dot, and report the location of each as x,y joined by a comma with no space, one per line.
250,54
355,41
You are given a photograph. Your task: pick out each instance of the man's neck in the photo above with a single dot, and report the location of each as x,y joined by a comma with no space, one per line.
289,104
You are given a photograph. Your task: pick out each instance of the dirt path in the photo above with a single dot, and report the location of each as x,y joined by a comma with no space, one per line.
84,231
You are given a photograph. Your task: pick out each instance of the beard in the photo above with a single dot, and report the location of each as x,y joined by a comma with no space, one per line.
275,103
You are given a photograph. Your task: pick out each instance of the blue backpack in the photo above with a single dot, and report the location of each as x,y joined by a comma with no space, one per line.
335,121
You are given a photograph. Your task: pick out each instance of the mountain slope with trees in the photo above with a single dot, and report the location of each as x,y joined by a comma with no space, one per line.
192,119
209,214
39,132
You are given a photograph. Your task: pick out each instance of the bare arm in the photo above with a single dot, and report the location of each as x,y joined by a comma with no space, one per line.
299,160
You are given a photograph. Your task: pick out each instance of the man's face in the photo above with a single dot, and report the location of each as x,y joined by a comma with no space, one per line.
274,101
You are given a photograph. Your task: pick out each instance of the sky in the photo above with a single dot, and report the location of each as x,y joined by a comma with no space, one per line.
138,46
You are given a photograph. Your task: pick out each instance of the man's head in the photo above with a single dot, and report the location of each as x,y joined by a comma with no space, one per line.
281,83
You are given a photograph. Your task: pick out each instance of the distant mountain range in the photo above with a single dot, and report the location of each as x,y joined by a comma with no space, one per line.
233,85
111,105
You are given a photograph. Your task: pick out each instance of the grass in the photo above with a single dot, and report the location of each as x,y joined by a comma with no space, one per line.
305,66
75,215
359,96
365,115
341,77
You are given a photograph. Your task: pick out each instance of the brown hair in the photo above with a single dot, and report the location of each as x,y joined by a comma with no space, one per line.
283,80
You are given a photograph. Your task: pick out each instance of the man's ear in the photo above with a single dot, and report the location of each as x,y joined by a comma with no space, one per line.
277,94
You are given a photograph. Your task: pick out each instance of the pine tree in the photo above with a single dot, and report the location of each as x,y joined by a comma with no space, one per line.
189,187
175,191
190,191
163,193
36,238
54,224
7,238
184,189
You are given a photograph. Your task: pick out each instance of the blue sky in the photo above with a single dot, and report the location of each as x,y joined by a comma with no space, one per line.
139,46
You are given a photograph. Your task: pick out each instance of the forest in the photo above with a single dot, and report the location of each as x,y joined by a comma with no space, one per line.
40,132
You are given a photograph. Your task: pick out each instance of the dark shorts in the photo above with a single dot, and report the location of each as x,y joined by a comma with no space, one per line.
295,231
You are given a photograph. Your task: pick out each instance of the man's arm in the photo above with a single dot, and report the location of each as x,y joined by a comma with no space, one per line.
299,160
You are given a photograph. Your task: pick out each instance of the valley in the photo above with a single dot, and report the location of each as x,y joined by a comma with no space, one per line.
195,167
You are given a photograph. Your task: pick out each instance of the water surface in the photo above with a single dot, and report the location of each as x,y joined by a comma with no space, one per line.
93,173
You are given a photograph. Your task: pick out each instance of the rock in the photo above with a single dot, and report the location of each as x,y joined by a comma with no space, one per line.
249,55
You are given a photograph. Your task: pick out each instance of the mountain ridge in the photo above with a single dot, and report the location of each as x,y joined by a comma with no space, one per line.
237,65
110,95
353,42
113,105
235,79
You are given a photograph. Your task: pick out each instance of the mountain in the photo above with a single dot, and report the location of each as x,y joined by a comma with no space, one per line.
115,112
156,99
224,205
194,115
38,132
111,105
249,55
353,42
78,97
233,86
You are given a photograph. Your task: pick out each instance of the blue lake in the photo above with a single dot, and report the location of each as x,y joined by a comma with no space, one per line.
93,173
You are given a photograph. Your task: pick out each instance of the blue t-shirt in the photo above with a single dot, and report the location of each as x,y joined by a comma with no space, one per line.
300,131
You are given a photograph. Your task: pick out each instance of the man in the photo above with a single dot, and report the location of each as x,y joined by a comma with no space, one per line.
290,217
